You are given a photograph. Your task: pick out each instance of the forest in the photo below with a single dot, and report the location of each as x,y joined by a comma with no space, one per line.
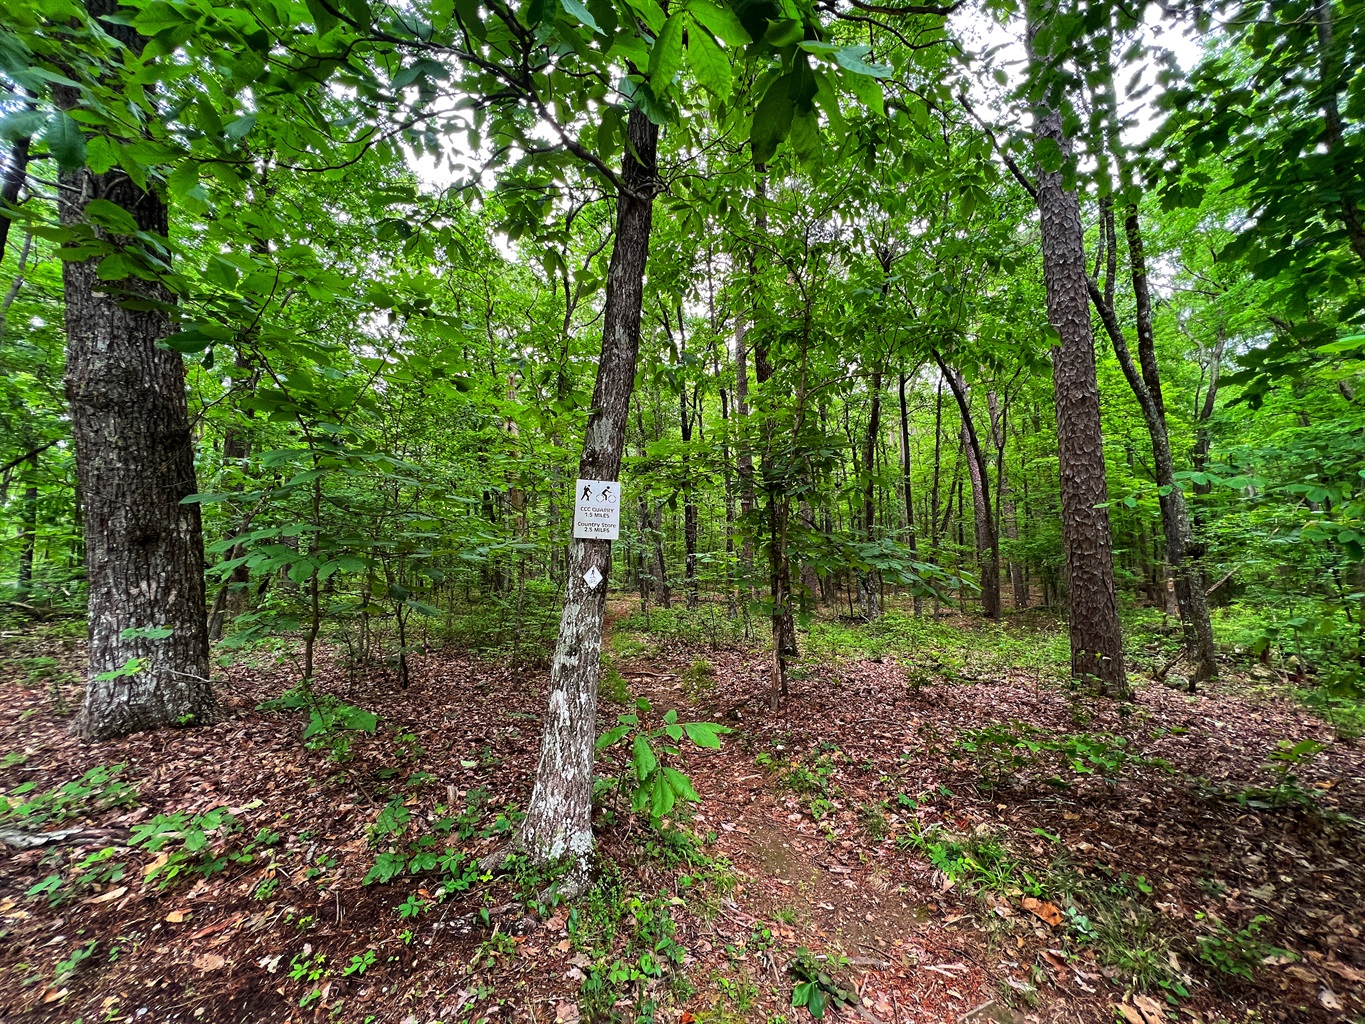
695,511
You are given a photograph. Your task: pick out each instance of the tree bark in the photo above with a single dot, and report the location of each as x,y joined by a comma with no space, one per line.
1095,632
28,530
868,584
558,819
1182,555
1007,518
16,172
906,491
987,540
135,466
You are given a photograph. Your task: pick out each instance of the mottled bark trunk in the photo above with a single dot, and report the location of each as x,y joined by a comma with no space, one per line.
1095,632
144,546
558,819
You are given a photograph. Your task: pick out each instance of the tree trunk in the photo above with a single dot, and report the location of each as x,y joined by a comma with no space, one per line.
689,498
1145,383
16,173
987,541
135,466
744,463
868,586
1004,497
1095,632
906,491
558,819
28,530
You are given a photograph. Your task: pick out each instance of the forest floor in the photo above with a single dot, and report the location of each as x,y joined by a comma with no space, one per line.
924,831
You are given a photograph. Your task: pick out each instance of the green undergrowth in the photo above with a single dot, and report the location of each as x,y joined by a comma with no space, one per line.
943,646
1105,921
709,623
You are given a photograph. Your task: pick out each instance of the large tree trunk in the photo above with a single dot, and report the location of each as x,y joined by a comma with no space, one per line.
135,464
1095,632
558,819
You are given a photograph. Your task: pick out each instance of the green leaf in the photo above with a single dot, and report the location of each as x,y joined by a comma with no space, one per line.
665,59
21,124
704,734
110,215
772,120
65,142
850,58
114,267
681,784
721,21
709,64
868,91
576,9
643,757
237,129
612,736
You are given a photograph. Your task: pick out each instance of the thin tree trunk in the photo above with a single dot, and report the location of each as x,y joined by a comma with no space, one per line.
689,500
1095,632
1004,497
16,171
868,586
135,465
28,530
987,541
905,486
558,819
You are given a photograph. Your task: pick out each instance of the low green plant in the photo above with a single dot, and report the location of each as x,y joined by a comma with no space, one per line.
653,786
99,789
815,987
333,725
1236,952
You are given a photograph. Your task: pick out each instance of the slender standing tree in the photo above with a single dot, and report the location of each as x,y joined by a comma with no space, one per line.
1096,634
558,819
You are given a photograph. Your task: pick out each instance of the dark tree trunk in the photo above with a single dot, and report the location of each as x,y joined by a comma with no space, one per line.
1096,634
906,491
1004,497
135,465
1145,382
689,499
16,169
744,463
987,540
28,530
558,819
868,584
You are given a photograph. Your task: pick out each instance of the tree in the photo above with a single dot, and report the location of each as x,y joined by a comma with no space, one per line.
1096,634
149,661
